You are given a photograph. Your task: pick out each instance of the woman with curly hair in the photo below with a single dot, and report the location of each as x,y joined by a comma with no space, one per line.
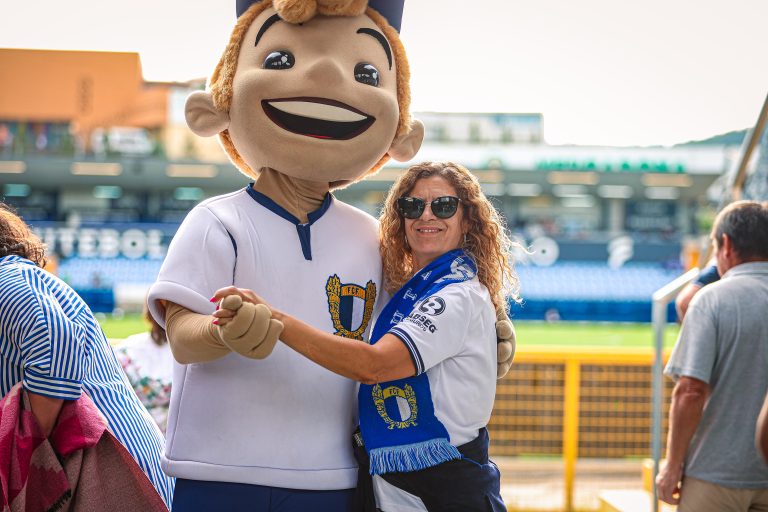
427,375
52,344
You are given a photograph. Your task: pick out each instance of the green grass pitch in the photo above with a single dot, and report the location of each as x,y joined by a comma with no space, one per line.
577,334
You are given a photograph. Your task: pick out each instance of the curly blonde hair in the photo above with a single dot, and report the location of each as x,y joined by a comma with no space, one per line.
299,11
486,240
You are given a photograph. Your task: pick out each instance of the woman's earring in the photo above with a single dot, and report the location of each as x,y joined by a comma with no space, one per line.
465,239
405,237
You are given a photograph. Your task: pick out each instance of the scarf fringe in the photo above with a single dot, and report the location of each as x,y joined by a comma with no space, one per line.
412,457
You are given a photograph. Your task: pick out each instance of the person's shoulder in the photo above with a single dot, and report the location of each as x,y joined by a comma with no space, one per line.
18,278
477,288
353,212
32,282
224,202
471,294
710,296
214,209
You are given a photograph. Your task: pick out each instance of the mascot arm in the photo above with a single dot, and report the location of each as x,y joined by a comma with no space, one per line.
192,336
505,334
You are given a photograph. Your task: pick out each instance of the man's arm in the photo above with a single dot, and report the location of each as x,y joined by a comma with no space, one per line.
761,431
683,299
46,411
688,399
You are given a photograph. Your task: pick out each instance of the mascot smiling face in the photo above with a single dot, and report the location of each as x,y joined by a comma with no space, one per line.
315,92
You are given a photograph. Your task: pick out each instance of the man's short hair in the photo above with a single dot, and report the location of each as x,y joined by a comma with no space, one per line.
746,224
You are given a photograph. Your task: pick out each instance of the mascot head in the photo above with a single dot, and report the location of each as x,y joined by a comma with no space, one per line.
314,89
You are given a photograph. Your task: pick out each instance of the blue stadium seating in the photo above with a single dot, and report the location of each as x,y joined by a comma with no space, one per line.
94,279
106,273
589,291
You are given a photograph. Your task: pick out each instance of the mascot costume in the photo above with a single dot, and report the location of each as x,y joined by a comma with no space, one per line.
309,96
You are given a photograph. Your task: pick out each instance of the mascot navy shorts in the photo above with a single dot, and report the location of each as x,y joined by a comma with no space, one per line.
199,496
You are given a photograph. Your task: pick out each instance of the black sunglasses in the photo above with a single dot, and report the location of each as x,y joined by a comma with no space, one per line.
443,207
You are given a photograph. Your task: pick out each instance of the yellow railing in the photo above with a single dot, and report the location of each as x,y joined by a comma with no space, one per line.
576,402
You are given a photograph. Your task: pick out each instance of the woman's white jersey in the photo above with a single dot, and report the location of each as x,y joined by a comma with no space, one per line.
452,336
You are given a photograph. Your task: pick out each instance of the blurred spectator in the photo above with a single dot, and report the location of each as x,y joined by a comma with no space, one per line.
52,344
147,360
552,315
719,367
96,281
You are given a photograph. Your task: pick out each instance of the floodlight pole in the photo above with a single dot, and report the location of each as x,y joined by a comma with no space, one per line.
661,298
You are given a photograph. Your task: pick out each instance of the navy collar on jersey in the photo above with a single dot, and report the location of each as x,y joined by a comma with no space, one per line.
303,230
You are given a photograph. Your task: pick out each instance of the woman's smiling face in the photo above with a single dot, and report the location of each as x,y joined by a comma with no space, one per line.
429,236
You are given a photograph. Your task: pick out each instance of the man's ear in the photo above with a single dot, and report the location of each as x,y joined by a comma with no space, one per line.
406,146
202,116
727,245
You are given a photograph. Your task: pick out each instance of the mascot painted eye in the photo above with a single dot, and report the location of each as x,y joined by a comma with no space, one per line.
279,60
367,74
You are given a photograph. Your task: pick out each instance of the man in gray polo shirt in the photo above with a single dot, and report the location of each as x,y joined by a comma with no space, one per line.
720,365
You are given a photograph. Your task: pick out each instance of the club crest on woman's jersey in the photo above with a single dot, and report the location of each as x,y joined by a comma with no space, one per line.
350,306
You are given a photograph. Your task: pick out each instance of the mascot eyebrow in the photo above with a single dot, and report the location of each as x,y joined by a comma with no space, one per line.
270,21
381,39
369,31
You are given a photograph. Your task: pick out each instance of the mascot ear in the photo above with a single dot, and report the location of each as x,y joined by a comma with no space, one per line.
406,146
202,116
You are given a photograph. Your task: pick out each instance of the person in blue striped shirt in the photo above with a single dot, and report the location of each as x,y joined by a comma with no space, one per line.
51,342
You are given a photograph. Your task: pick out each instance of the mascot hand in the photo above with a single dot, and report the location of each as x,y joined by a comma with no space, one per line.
505,334
251,332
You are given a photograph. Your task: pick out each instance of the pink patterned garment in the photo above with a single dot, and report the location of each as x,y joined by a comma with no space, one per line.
81,466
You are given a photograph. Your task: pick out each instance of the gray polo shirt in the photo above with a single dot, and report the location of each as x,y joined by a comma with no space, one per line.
724,342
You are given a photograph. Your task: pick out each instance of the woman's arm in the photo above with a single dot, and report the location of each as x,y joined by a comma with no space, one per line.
54,356
46,411
384,361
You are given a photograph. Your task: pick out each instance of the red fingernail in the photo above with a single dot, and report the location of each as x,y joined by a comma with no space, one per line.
215,322
213,299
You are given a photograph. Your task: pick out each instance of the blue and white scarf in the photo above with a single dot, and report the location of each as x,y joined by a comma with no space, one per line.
397,418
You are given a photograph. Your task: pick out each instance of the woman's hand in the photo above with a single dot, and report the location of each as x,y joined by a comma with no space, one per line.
245,323
224,315
244,293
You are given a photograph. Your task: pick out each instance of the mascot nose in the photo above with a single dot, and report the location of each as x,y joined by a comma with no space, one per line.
326,71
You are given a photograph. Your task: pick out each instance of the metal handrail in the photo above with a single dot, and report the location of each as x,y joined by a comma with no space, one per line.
661,298
751,140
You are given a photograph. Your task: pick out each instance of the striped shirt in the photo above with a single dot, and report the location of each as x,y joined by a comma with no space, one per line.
50,341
